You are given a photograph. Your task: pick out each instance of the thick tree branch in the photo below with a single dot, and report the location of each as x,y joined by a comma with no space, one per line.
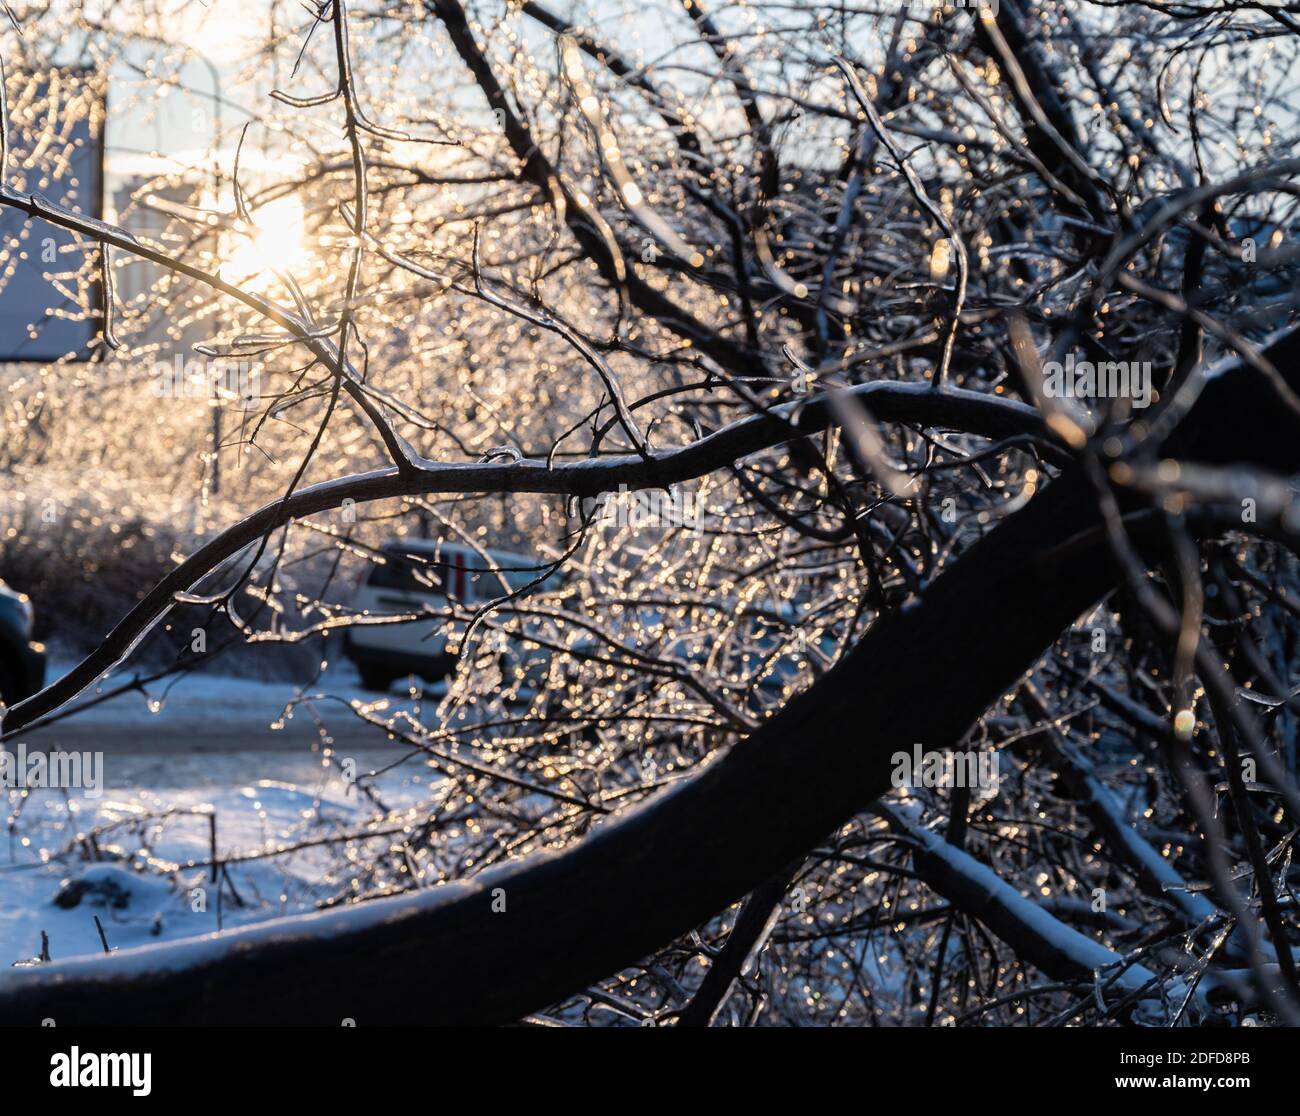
961,410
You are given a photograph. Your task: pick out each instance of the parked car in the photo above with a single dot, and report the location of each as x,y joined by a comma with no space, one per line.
413,573
22,661
759,649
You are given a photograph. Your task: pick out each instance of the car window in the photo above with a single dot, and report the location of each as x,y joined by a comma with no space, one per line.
464,577
409,572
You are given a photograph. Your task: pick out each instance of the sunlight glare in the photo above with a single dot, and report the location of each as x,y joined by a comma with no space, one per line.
277,243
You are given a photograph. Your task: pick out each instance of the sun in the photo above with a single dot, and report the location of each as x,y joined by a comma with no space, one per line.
277,242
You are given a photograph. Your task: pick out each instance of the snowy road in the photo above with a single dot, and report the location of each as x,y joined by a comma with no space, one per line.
205,714
209,763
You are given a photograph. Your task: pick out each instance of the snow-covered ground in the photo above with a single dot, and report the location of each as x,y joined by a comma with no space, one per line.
206,747
124,856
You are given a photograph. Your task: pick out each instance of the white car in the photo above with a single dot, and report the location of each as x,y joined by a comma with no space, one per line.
411,574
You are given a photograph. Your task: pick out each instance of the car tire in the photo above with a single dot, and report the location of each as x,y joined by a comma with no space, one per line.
376,678
10,689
